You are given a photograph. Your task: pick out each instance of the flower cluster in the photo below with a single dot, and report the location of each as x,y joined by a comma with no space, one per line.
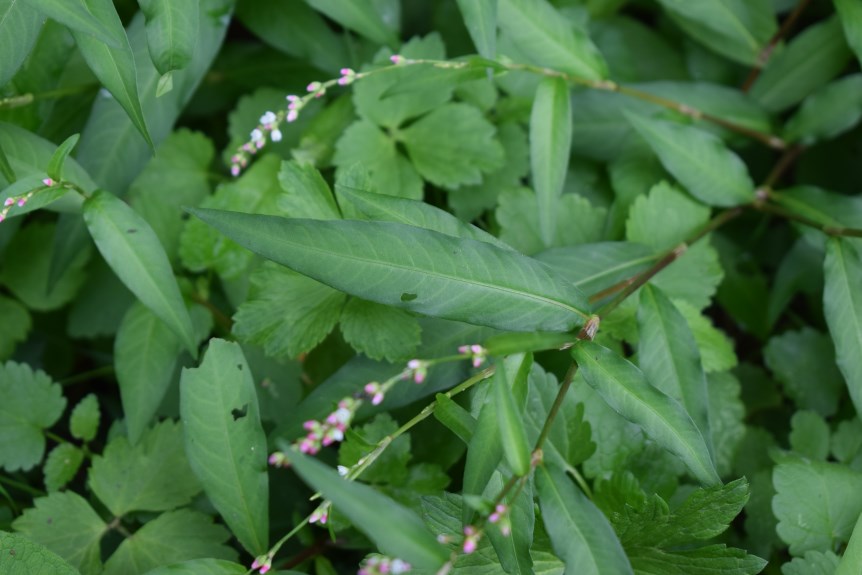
331,429
500,515
416,369
476,352
21,200
376,564
262,563
321,514
267,129
471,539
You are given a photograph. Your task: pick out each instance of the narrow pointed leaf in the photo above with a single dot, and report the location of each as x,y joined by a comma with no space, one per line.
698,160
457,419
484,453
624,387
510,424
225,442
481,21
76,15
132,249
842,303
550,143
396,530
58,160
358,15
19,29
420,270
851,561
509,343
172,30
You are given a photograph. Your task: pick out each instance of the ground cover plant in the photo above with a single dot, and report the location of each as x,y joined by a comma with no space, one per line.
439,286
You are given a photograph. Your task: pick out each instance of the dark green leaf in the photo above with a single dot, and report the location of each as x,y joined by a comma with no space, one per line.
379,331
61,466
359,15
510,423
172,29
204,567
828,112
77,15
851,562
307,195
850,14
84,421
809,435
484,452
15,326
455,418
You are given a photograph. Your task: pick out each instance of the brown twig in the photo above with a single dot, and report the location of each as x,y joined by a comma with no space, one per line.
790,155
767,51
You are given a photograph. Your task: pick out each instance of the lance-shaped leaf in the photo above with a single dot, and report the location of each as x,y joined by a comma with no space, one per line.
396,530
19,29
358,15
420,270
550,142
132,249
172,32
58,160
842,305
481,21
581,535
700,161
76,15
484,453
850,14
225,441
624,387
510,424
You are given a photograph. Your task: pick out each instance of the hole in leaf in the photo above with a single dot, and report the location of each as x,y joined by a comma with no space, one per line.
239,413
407,296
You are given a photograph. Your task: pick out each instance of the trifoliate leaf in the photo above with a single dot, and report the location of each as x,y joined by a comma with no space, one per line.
14,327
67,525
726,418
255,192
664,217
61,466
804,362
812,563
716,348
391,466
84,421
154,475
24,557
453,146
31,403
809,435
287,313
379,331
817,503
170,538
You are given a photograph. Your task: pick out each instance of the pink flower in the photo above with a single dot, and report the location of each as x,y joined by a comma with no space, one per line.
48,182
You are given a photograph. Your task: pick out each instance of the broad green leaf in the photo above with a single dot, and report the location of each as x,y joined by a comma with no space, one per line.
809,435
842,304
698,160
624,387
580,533
360,16
817,503
67,525
15,326
452,146
457,419
413,268
484,452
19,30
547,38
84,421
481,21
375,514
851,562
77,15
701,561
170,538
153,475
203,567
131,248
225,443
510,424
636,52
850,14
664,218
814,57
172,30
596,266
379,331
828,112
58,160
846,443
716,348
99,308
61,466
738,29
550,142
21,556
812,563
306,193
669,358
31,404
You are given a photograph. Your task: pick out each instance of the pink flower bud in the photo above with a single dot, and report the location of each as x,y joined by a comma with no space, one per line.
397,59
469,546
264,569
234,170
377,399
414,364
21,202
9,202
48,182
292,116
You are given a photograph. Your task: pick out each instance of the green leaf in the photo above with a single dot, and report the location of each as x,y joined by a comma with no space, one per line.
375,514
40,196
814,57
509,343
58,160
453,145
84,421
550,142
595,266
481,21
817,503
851,562
726,419
421,270
457,419
203,567
14,327
664,218
702,561
67,525
846,443
738,29
828,112
850,14
580,533
547,38
79,16
170,538
624,387
812,563
31,404
153,475
484,453
809,435
29,153
510,424
24,557
172,30
716,348
843,309
131,248
379,331
636,52
360,16
61,466
669,358
698,160
391,466
225,442
307,195
19,30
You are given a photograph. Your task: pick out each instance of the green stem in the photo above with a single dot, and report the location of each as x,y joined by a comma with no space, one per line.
88,375
826,229
20,486
28,98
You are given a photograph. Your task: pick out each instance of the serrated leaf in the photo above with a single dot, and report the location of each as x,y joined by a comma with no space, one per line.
170,538
306,193
24,557
809,435
453,146
225,443
84,421
58,160
481,21
14,327
391,466
416,269
828,112
375,514
379,331
726,419
698,160
716,348
31,404
664,217
360,16
547,38
19,30
624,387
67,525
172,30
153,475
61,466
812,563
843,309
131,248
701,561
